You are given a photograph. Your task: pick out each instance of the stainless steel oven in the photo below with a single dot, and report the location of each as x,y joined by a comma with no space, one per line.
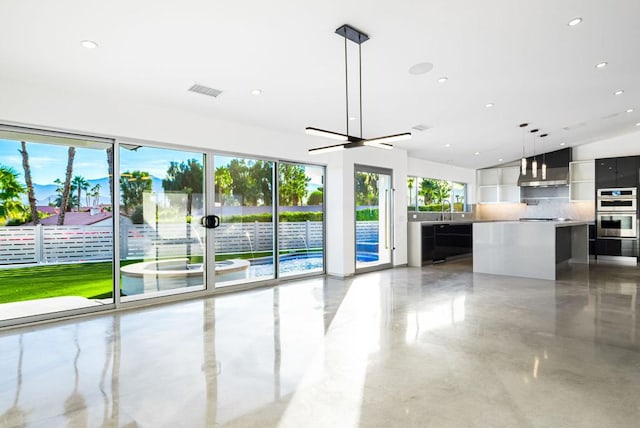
617,224
621,199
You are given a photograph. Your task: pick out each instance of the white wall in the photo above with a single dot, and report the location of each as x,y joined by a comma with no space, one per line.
624,145
341,217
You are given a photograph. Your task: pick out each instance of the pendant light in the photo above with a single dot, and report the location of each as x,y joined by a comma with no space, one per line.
534,164
524,158
350,141
544,163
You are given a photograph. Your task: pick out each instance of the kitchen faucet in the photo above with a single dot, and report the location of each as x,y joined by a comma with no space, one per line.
442,212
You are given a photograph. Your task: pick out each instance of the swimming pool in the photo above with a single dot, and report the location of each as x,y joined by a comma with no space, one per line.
296,263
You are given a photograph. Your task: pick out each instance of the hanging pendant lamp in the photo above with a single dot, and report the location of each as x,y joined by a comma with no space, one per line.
523,162
544,163
534,163
350,141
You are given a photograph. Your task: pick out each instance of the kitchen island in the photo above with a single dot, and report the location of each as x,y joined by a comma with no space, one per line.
530,249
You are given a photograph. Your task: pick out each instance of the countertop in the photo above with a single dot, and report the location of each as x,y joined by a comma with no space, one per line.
562,223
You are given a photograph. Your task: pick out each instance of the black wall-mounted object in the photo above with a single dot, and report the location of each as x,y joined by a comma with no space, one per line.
210,221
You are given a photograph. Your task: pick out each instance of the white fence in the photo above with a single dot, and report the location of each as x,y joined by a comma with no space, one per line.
57,244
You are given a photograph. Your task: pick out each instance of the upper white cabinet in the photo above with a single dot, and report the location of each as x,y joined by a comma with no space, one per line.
498,185
582,181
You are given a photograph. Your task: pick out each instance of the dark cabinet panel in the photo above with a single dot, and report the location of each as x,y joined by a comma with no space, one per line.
617,172
452,240
428,243
605,173
627,172
592,239
617,247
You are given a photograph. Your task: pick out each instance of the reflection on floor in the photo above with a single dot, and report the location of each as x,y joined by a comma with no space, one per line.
438,346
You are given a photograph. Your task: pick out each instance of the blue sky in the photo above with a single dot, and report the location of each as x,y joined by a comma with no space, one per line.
49,161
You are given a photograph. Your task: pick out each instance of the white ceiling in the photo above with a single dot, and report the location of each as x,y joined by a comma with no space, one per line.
520,55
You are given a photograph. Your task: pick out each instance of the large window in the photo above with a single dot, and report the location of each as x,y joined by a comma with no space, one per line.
431,194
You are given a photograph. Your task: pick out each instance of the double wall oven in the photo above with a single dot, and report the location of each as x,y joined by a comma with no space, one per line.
617,213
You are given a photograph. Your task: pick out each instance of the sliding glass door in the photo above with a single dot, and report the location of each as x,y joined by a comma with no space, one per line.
300,219
88,223
56,224
373,218
244,242
162,243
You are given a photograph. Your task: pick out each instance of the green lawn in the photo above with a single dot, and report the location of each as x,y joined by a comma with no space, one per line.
92,280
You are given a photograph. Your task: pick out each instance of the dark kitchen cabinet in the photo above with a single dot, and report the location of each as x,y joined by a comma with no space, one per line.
428,243
592,239
617,247
617,172
627,172
452,240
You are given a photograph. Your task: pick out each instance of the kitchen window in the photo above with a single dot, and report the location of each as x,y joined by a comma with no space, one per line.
432,194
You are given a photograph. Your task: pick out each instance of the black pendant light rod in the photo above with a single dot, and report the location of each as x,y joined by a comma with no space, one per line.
360,81
346,82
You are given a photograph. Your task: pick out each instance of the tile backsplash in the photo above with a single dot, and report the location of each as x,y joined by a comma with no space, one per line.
583,211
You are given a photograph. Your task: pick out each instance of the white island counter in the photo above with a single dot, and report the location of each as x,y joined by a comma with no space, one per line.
529,249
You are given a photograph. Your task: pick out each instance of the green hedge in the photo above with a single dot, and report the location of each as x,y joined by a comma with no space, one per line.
369,214
287,216
457,206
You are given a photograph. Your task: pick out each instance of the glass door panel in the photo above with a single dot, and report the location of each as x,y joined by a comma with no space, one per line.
244,242
162,243
373,202
300,222
56,224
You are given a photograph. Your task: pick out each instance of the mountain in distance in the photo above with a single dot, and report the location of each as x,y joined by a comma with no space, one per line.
46,193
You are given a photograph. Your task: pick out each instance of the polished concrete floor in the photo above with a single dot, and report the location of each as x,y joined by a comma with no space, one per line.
432,347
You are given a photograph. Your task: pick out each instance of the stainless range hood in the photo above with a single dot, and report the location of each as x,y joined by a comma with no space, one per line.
557,170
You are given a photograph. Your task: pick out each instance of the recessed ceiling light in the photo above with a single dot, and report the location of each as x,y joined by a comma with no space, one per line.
443,79
88,44
421,68
352,118
476,153
574,22
447,145
638,124
489,105
619,92
256,92
500,160
562,144
629,110
602,64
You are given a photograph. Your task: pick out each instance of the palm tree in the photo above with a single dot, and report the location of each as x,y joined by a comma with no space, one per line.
10,191
66,190
80,184
95,193
27,177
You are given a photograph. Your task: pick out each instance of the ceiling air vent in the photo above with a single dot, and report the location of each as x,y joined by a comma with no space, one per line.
205,90
421,127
